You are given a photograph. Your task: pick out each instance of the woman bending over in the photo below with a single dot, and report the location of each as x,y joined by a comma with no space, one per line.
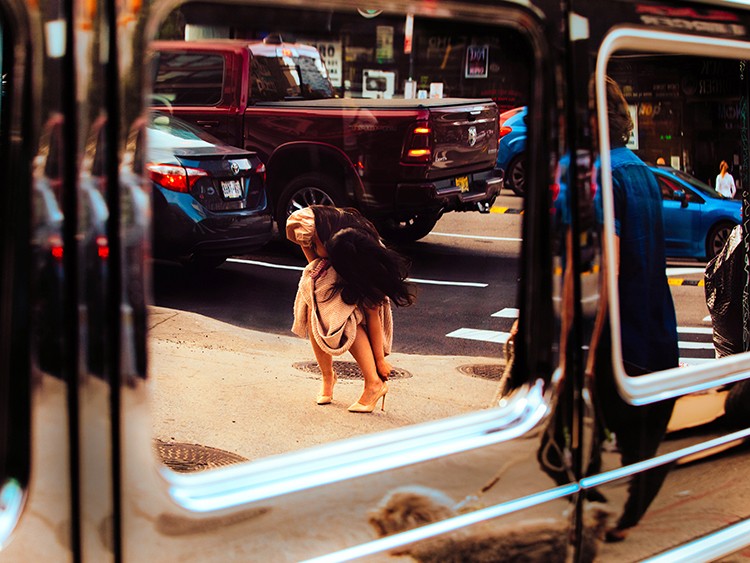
344,297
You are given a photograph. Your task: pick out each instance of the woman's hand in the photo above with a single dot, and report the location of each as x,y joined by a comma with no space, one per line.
384,368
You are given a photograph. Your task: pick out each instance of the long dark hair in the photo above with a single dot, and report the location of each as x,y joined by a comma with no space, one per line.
369,271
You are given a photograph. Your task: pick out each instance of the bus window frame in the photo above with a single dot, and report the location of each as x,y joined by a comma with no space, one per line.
679,381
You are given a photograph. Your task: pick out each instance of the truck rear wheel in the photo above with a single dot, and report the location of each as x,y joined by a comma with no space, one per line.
409,230
304,191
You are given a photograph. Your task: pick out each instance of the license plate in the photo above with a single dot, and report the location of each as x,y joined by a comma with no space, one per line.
232,189
462,182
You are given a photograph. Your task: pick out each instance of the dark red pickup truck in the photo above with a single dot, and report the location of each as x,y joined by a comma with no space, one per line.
402,162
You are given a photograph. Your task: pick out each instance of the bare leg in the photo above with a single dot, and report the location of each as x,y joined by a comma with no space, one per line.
325,363
362,352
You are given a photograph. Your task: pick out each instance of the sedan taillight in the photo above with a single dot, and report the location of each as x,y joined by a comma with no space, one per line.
175,178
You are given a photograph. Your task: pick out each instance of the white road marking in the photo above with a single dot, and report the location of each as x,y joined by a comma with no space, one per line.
481,335
696,345
507,313
694,361
265,264
684,271
441,282
694,330
707,319
477,237
300,268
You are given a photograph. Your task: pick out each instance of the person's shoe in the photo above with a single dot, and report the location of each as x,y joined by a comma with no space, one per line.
326,399
369,407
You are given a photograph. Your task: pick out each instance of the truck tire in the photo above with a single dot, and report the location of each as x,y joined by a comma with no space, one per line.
515,176
306,190
410,230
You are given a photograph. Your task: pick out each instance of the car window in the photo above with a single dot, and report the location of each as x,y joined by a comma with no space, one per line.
668,187
186,79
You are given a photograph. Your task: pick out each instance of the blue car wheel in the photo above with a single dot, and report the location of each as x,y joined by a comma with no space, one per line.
515,178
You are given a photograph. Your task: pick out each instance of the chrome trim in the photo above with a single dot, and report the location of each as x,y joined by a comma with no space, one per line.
609,476
679,381
331,463
710,547
430,531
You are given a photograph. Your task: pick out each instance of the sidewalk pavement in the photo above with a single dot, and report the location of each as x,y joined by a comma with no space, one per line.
218,385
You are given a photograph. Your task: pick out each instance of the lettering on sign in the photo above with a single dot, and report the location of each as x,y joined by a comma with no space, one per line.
330,52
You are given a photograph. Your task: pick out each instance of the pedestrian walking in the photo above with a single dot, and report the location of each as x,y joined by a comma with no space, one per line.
725,182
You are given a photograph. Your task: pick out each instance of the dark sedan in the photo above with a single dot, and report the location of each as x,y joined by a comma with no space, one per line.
209,198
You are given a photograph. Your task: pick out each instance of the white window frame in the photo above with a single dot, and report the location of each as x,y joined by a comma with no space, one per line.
675,382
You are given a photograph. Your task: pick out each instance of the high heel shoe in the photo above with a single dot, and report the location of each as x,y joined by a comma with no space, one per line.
326,399
369,407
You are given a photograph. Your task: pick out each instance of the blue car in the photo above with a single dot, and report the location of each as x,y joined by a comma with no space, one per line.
697,219
511,149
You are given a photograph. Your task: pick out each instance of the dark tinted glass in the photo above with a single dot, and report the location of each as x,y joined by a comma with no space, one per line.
186,79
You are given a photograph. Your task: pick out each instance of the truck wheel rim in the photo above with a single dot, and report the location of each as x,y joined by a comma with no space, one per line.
307,197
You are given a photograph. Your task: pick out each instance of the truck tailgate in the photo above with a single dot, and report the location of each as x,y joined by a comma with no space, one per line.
464,136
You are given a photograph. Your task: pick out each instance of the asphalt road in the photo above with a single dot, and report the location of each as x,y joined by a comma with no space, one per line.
466,272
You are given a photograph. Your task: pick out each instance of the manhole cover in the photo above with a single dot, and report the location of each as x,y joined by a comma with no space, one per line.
347,370
485,371
186,458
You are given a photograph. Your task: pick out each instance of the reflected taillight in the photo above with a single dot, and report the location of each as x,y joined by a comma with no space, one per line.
260,170
175,178
56,247
102,247
419,145
504,130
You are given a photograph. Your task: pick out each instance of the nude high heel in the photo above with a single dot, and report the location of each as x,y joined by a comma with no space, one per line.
369,407
326,399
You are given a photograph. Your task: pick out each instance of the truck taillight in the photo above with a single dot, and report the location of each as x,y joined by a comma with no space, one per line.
419,144
175,178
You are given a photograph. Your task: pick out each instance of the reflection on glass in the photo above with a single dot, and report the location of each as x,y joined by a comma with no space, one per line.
221,343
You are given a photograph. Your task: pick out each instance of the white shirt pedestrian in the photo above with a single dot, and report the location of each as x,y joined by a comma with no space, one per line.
724,182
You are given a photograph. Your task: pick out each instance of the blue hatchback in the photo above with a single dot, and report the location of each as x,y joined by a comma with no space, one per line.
511,149
697,219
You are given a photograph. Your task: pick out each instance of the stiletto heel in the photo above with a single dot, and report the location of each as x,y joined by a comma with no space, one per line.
369,407
326,399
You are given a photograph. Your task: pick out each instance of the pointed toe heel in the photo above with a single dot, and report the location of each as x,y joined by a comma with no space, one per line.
369,407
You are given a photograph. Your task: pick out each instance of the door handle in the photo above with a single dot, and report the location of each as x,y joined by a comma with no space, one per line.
207,123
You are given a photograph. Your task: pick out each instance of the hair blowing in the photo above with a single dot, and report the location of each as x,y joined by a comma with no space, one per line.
369,271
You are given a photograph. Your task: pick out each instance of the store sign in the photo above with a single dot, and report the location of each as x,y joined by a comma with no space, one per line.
330,52
477,61
384,44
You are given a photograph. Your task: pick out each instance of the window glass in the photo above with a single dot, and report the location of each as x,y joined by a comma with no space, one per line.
185,79
405,130
684,114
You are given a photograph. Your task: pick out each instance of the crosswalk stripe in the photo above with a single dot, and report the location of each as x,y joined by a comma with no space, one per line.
694,330
696,345
507,313
480,334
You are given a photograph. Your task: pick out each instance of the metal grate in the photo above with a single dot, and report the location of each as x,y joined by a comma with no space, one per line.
492,372
188,458
347,370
